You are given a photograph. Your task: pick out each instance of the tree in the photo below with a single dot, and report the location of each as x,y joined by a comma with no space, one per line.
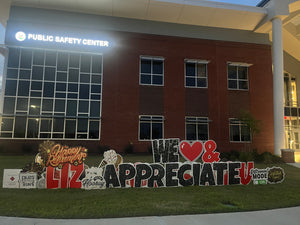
251,122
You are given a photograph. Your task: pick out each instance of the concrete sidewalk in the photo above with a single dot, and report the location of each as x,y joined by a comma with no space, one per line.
286,216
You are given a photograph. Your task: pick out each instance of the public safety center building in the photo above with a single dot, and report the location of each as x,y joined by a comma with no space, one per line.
122,73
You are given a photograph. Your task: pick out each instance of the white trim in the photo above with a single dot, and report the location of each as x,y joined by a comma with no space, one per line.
239,123
239,64
152,58
197,123
151,116
195,61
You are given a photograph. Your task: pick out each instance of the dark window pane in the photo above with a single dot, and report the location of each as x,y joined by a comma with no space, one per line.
71,108
47,105
61,76
38,57
234,133
191,132
9,105
73,87
157,67
232,84
82,136
82,125
5,135
96,89
23,88
12,73
62,61
7,124
46,125
35,106
190,82
157,132
245,133
201,70
232,72
13,57
50,73
20,127
145,79
72,95
11,87
83,107
58,125
22,104
59,105
50,58
243,73
48,89
70,128
202,132
145,131
85,63
37,73
36,93
96,97
96,63
190,69
84,78
157,80
35,85
57,135
45,135
61,86
26,58
60,95
73,75
95,109
84,91
33,128
25,74
94,130
243,85
146,66
201,82
74,60
96,79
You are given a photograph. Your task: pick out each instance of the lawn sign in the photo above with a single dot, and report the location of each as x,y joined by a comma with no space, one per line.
60,166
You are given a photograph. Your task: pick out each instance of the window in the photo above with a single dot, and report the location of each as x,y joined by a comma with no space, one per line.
52,94
238,76
152,71
196,128
151,127
239,132
196,73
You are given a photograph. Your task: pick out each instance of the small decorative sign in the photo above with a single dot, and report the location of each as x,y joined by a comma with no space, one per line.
28,180
11,178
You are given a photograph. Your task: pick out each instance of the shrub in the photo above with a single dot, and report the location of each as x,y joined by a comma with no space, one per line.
129,148
102,149
265,157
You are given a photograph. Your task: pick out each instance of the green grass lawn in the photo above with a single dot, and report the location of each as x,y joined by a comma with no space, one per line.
76,203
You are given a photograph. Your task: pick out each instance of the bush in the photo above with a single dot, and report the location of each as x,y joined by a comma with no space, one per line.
102,149
27,149
129,148
265,157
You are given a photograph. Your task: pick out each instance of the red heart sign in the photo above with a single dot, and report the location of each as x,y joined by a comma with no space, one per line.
191,152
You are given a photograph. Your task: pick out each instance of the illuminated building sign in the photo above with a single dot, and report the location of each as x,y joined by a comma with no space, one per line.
21,36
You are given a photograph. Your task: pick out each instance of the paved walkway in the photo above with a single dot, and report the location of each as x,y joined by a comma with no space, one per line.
287,216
